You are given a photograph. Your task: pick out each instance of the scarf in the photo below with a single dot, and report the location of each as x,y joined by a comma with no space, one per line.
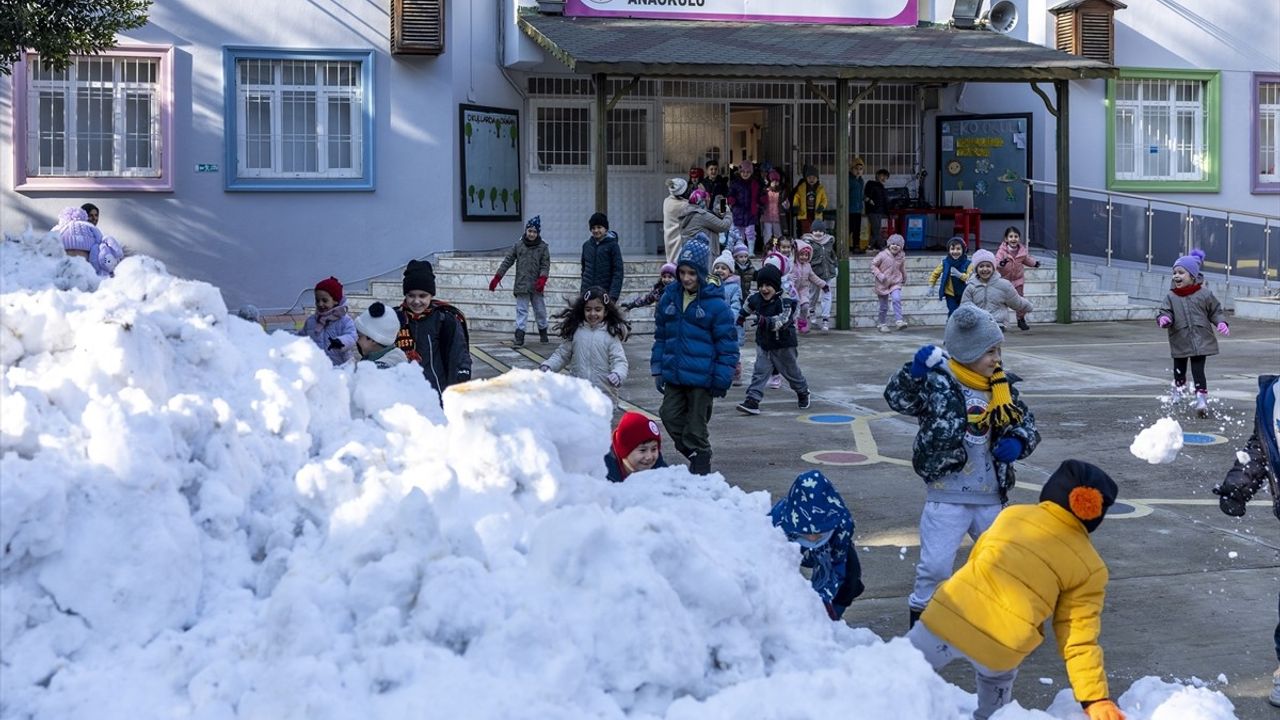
1000,412
1186,290
962,264
330,316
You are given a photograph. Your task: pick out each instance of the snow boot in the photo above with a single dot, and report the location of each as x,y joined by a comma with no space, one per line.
1176,393
802,324
802,399
1274,699
826,326
1022,324
700,462
750,406
542,335
519,338
1202,404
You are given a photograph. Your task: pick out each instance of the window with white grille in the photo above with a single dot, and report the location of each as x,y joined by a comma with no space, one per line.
98,118
1268,149
563,136
299,118
627,135
1160,129
886,130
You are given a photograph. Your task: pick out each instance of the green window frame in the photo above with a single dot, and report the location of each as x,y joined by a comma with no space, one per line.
1164,130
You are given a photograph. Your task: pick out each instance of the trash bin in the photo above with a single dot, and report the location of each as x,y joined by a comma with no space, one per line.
653,239
915,232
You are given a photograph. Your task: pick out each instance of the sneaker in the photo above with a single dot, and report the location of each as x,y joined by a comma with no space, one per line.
826,326
900,324
1274,698
542,335
1202,404
750,406
519,338
883,328
775,382
803,325
802,399
1022,324
1176,393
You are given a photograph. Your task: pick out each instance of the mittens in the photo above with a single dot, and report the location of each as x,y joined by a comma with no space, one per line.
614,380
1007,450
540,284
493,284
1103,710
1164,321
929,356
1223,330
955,273
335,344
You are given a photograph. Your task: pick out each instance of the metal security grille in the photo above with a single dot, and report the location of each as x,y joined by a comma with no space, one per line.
562,137
815,137
100,117
628,138
886,129
692,134
299,118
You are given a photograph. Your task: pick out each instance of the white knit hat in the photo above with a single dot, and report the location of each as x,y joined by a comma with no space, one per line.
725,258
677,186
379,324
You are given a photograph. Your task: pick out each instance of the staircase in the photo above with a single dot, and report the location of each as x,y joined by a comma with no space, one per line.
463,280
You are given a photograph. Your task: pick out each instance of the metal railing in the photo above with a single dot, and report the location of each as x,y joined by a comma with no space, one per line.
1156,231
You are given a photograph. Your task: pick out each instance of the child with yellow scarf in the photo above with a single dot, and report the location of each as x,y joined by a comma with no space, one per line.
972,428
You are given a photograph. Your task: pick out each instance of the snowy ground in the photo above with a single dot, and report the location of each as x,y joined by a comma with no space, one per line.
202,520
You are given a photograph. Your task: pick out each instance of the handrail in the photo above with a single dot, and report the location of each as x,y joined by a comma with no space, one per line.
1147,198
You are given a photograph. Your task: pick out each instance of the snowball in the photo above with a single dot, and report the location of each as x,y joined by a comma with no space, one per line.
1159,443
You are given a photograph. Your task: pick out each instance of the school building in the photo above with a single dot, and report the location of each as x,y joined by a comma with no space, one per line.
263,146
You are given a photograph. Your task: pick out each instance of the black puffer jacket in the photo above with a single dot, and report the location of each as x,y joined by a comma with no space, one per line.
775,320
439,341
602,265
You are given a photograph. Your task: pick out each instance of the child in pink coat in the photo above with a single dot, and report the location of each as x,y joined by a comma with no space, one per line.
890,270
1012,260
804,279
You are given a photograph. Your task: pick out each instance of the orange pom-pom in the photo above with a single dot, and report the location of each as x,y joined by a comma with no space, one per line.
1086,503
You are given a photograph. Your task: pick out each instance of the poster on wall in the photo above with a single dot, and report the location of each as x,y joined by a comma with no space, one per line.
987,156
490,139
829,12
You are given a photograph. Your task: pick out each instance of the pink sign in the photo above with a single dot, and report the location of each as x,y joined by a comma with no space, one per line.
834,12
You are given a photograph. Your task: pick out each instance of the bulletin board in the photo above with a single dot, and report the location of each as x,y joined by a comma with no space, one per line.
490,141
989,155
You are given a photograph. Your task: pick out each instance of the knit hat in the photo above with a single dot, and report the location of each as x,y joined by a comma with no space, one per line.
981,256
774,175
803,246
741,249
599,219
106,255
810,170
957,240
677,186
819,225
70,214
534,222
1082,489
725,258
696,253
80,235
771,276
857,160
896,239
746,167
379,324
700,197
695,174
1191,263
633,430
971,331
668,269
418,275
333,287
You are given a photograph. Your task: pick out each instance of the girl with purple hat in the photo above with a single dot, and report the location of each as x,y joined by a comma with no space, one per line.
1191,313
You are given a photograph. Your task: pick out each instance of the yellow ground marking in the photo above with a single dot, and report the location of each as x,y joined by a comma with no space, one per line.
489,360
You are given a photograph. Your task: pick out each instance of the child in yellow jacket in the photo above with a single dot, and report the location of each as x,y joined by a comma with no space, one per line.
1036,562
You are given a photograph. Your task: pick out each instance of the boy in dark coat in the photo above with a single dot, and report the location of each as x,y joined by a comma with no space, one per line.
695,351
876,198
775,340
432,332
814,515
532,259
602,258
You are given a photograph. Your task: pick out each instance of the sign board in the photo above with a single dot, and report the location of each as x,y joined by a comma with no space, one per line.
490,141
988,155
206,167
829,12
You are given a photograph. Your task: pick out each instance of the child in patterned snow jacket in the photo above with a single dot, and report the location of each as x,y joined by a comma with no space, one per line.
775,341
814,515
532,259
973,427
331,328
1191,313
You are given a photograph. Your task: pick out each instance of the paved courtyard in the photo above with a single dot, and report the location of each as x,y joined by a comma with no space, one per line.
1192,593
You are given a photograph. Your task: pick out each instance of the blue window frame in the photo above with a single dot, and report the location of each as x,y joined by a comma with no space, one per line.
298,120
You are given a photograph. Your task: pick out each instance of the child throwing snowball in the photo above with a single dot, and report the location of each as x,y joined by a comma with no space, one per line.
1191,313
814,515
593,330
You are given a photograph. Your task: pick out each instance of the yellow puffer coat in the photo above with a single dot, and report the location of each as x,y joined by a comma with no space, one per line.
1035,562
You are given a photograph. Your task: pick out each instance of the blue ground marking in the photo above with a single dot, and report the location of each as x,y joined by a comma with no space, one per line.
1201,438
831,419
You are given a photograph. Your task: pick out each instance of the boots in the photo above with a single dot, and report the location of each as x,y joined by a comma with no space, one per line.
542,335
700,462
802,324
1176,393
519,338
912,617
1022,324
1202,404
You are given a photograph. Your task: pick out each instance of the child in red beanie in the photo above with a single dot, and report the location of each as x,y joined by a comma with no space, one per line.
331,329
636,446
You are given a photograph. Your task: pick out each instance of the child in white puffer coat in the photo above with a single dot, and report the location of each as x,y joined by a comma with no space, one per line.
593,330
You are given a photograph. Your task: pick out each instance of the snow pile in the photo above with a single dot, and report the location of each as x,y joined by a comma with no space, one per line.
200,520
1158,444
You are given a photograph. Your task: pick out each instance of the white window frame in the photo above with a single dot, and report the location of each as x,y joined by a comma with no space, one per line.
537,167
157,176
1270,111
1140,111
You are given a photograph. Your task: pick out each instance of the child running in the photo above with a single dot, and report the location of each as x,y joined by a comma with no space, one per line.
954,273
1191,313
593,330
1012,260
806,282
781,256
532,259
825,266
775,341
330,328
743,268
666,276
723,269
972,428
814,515
890,270
991,292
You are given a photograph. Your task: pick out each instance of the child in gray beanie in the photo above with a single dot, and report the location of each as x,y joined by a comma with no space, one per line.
972,428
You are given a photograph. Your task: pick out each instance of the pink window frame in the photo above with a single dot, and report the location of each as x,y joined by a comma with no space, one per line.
24,183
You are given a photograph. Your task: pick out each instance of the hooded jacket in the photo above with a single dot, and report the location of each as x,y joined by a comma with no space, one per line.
591,354
695,219
1033,564
824,254
1012,264
696,344
531,261
997,296
802,275
602,265
813,506
1194,318
439,341
746,198
890,271
799,200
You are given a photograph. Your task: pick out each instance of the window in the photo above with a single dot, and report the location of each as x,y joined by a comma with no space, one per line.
1164,131
628,138
886,130
564,135
103,123
1266,133
299,120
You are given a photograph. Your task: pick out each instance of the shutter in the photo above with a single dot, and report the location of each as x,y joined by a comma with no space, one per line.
1096,37
1065,32
417,27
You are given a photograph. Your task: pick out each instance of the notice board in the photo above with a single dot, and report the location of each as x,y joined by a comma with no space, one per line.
490,139
989,155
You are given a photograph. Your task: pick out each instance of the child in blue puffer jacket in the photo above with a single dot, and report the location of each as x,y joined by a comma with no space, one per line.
814,515
695,350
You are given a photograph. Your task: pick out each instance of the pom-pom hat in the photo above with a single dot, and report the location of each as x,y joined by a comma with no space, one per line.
331,286
633,430
677,186
1082,489
80,235
1191,263
983,256
379,324
971,332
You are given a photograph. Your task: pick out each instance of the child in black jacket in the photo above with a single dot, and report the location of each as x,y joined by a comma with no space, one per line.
775,340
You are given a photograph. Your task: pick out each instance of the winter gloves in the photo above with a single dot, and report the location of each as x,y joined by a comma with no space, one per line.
927,357
493,284
1223,330
659,384
1164,321
335,344
614,380
955,273
540,284
1006,450
1103,710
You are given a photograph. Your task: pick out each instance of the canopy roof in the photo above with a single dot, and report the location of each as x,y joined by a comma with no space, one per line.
623,46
